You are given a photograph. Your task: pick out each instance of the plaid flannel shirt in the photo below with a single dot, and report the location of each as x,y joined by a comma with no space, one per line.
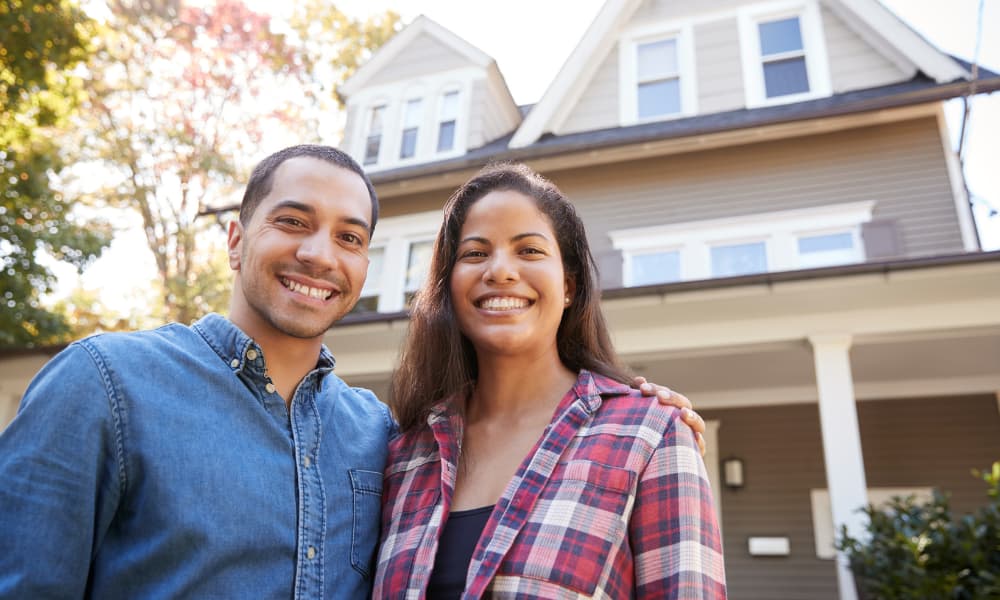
613,502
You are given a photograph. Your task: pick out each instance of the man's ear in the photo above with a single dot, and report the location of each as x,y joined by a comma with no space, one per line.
235,243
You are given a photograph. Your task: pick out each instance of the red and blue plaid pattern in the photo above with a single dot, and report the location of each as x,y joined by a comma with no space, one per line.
613,502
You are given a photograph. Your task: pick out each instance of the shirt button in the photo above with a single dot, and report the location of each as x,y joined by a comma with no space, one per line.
251,354
306,461
269,387
311,553
234,363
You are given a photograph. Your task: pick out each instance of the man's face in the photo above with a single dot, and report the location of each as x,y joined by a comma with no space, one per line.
301,261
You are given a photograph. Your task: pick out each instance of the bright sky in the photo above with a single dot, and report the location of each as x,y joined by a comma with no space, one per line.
530,40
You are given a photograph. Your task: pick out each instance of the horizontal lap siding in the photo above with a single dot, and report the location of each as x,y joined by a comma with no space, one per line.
854,64
424,56
598,106
906,443
899,166
720,72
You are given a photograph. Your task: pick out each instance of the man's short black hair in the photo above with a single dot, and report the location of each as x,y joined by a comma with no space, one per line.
262,177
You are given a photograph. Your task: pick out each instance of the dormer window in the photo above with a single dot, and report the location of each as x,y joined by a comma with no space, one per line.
373,142
783,56
447,117
412,115
658,77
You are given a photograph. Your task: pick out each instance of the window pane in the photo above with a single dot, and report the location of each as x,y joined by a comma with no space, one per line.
374,140
375,122
739,259
368,304
412,115
824,243
656,60
446,136
661,267
659,98
371,149
408,145
780,36
449,106
418,264
783,77
376,257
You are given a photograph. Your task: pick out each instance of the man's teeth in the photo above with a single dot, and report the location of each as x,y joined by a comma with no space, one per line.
305,290
503,303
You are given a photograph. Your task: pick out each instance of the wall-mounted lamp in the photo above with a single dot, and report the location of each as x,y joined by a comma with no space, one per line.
732,472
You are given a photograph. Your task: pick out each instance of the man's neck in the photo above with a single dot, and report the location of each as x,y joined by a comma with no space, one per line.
287,359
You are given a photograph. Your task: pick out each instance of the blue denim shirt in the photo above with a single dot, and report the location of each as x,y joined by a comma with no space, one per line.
161,464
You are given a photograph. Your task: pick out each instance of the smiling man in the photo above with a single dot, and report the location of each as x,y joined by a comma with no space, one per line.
222,459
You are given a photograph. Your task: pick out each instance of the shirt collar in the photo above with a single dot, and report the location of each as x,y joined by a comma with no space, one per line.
237,349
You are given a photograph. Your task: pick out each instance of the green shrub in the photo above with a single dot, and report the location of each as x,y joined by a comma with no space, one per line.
920,551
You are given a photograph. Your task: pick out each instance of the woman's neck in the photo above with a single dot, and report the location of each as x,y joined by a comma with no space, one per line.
519,388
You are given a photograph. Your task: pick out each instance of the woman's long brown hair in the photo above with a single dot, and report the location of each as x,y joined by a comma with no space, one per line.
437,360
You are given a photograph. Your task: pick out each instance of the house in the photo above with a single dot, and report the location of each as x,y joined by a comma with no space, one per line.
783,234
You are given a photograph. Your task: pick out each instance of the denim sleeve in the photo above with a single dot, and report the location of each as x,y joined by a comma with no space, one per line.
61,474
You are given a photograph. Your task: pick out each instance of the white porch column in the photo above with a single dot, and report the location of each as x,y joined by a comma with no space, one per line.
845,467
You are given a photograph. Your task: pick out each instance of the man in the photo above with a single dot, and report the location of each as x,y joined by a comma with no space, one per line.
224,459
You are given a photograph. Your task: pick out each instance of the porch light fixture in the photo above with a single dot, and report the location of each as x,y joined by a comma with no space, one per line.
732,472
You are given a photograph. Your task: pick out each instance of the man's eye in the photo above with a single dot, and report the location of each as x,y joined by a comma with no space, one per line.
292,221
352,238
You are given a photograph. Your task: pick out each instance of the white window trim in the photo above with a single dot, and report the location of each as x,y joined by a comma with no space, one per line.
420,126
822,512
628,80
813,42
780,230
396,234
430,88
461,121
366,115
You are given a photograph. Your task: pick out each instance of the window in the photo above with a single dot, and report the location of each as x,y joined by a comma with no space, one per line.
411,126
447,117
739,259
655,267
368,302
417,266
658,90
783,52
656,73
783,57
373,142
776,241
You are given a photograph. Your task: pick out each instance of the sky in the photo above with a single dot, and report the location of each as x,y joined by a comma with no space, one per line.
531,39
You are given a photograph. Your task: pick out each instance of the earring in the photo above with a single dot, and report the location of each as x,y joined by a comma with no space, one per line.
568,300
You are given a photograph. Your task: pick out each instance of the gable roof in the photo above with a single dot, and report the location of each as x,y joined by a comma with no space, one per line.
398,44
869,17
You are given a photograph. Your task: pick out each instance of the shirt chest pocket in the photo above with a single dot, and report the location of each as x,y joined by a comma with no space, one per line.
576,526
366,496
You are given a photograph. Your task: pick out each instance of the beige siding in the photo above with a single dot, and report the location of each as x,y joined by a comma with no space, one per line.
597,107
906,443
854,64
899,166
663,10
720,72
476,134
425,55
497,113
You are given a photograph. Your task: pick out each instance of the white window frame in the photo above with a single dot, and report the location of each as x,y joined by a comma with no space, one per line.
396,235
813,44
780,230
824,532
367,116
438,120
628,80
419,126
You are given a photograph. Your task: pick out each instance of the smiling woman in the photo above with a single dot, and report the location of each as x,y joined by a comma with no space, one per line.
527,467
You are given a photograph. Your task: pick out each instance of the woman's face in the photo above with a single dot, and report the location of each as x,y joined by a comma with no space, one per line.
508,286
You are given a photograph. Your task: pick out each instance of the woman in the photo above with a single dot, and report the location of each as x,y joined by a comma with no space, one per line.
526,465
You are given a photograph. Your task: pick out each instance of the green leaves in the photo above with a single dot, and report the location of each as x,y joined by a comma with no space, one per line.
922,552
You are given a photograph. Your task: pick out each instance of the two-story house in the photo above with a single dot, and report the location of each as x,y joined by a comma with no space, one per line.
783,233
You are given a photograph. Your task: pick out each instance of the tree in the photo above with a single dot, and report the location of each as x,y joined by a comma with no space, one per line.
42,42
185,97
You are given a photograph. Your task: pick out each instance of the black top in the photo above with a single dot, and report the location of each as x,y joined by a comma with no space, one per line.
458,542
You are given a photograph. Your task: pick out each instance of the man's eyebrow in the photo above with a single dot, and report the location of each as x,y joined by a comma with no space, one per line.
294,205
359,222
